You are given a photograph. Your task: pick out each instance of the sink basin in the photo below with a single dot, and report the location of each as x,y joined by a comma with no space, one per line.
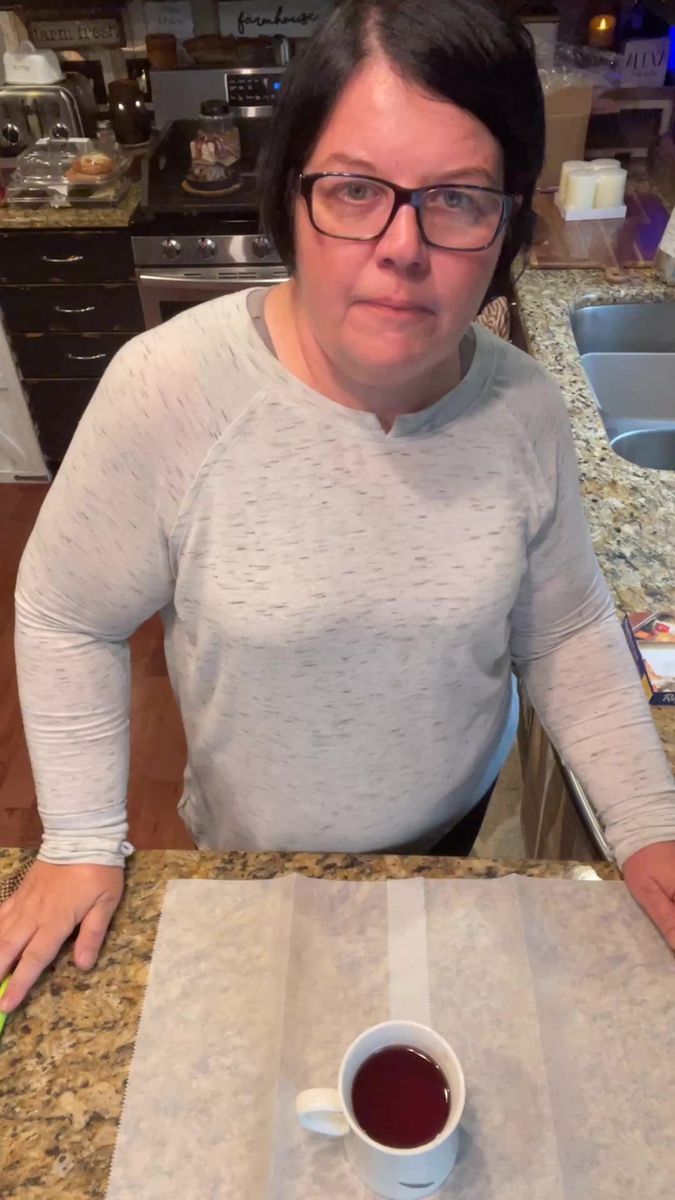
633,387
627,352
653,448
625,328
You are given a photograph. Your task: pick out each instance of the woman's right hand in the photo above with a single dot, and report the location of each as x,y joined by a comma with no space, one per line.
44,911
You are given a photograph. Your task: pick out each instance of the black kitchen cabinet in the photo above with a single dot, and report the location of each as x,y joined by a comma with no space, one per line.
65,355
79,309
34,256
69,302
56,406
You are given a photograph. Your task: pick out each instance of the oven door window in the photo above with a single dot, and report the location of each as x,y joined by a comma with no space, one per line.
165,293
171,308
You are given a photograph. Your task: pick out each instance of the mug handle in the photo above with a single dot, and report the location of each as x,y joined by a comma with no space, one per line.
321,1111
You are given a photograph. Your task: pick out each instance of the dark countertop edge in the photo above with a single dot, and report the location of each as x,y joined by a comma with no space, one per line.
116,226
123,223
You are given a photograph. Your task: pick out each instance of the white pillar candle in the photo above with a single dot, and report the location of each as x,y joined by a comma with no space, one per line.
581,185
610,188
571,165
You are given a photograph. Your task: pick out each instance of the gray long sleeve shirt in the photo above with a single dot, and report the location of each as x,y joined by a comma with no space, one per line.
342,605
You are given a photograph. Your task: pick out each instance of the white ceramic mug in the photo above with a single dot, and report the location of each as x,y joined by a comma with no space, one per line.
396,1174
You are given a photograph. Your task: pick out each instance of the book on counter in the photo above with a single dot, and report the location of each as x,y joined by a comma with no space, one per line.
651,637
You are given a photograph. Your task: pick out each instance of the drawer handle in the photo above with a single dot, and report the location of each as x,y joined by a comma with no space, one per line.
61,308
70,258
85,357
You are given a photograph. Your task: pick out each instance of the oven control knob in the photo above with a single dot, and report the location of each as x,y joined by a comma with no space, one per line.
171,248
206,247
262,247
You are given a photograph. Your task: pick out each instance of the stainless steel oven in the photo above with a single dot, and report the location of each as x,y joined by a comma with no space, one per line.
190,248
179,271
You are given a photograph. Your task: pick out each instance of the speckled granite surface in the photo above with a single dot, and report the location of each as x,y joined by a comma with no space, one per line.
64,1059
631,510
16,217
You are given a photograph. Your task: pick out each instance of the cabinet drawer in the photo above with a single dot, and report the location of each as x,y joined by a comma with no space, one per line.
92,257
56,406
65,355
107,308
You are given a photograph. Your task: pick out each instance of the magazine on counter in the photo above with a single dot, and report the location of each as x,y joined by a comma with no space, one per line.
651,637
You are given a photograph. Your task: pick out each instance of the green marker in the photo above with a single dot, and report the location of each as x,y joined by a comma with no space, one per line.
3,1016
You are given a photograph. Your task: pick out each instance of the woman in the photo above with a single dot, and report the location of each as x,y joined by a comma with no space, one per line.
354,509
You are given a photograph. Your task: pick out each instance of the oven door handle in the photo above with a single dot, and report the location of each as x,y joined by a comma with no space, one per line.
159,282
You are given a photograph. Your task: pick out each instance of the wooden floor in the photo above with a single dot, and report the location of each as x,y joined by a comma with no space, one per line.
157,742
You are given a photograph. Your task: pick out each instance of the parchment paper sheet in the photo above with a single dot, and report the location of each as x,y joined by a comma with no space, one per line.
558,997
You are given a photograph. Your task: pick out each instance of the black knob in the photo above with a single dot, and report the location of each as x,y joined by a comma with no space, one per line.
206,247
171,248
262,247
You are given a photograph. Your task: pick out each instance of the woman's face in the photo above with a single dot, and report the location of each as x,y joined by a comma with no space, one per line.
384,126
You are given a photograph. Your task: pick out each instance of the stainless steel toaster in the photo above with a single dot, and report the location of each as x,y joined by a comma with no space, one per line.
29,112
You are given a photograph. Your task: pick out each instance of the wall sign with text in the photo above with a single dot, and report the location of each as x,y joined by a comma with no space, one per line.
170,16
645,62
262,18
73,32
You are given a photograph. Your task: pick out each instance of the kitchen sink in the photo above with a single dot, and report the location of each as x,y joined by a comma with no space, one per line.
625,328
653,448
628,354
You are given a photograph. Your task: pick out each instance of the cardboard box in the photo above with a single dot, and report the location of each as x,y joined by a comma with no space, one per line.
651,638
568,110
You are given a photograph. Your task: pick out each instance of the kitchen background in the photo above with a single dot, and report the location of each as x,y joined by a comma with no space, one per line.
132,69
88,265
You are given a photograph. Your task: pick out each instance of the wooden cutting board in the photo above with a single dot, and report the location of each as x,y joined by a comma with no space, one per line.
631,242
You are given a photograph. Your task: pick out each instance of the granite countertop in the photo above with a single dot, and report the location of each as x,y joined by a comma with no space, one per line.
64,1057
15,217
631,510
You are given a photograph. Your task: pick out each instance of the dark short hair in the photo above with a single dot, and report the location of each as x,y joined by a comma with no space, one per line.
471,52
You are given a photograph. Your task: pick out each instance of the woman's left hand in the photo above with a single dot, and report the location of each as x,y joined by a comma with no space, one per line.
650,875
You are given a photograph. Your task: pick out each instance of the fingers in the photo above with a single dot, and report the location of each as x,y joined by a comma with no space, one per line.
92,932
40,949
10,948
42,913
657,905
14,937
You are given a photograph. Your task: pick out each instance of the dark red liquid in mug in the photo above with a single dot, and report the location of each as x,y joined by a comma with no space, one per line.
401,1097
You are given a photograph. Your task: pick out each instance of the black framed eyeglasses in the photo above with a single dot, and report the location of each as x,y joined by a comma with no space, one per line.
361,208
